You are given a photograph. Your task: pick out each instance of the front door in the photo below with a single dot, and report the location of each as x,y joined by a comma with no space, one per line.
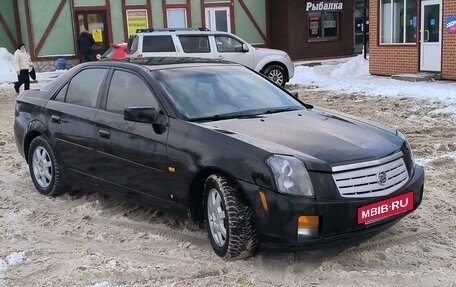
95,23
431,35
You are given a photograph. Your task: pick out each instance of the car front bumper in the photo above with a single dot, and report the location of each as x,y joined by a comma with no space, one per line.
277,216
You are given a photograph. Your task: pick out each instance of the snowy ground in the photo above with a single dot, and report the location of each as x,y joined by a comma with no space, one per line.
87,239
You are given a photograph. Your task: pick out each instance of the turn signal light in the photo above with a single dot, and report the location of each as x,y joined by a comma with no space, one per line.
307,226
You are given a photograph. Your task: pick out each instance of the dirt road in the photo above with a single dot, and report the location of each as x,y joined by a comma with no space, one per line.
87,239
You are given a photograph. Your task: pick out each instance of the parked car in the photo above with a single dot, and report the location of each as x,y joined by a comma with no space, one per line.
115,52
202,43
222,144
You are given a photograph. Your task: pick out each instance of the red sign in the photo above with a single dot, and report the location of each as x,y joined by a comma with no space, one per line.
385,208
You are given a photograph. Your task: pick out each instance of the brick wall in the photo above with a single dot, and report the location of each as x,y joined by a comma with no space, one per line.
448,43
389,59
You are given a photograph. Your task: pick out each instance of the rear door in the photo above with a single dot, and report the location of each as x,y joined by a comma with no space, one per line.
195,46
132,156
73,109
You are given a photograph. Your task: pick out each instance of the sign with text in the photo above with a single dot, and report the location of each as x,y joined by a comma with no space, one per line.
324,6
451,24
97,35
136,19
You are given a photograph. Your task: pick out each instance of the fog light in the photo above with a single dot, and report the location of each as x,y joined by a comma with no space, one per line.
307,227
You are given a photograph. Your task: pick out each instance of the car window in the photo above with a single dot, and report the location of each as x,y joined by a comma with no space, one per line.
228,44
128,90
84,87
195,44
158,44
132,44
61,94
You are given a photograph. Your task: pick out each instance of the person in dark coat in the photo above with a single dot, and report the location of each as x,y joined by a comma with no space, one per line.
85,42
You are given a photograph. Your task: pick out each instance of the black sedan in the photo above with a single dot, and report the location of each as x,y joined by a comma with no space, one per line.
222,144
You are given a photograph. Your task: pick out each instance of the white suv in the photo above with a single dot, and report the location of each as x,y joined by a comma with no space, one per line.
202,43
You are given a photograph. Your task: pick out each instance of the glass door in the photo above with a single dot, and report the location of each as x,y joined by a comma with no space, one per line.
431,34
95,24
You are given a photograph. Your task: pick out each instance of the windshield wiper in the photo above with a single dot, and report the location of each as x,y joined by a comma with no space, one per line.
224,117
280,110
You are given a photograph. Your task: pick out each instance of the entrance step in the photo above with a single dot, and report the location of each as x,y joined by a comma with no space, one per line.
418,77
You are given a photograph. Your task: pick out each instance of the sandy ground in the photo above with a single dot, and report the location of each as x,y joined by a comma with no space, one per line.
87,239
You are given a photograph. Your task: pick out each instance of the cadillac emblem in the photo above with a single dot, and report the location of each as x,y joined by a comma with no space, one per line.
382,178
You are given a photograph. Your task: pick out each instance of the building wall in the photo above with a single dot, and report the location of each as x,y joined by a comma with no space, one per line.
290,29
449,44
6,13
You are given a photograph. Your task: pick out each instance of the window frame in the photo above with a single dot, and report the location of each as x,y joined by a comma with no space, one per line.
176,9
323,37
391,20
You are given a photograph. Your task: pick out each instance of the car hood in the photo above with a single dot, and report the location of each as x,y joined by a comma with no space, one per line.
269,52
322,139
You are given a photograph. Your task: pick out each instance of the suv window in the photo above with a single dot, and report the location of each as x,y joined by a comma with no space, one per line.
132,44
228,44
84,87
158,44
128,90
195,44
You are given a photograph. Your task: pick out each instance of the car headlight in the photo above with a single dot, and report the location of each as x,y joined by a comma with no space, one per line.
407,145
291,175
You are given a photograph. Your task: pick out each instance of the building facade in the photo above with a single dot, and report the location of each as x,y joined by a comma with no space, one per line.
319,29
411,36
305,29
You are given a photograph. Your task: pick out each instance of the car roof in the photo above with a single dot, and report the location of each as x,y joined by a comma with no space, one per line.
156,63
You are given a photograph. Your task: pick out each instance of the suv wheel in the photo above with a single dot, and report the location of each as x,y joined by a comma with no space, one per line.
276,73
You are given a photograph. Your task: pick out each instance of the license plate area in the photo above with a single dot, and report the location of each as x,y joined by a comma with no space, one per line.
385,208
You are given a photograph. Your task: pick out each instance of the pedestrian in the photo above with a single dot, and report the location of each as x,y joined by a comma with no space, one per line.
85,42
23,65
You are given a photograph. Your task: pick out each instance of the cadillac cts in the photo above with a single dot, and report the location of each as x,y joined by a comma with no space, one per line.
222,144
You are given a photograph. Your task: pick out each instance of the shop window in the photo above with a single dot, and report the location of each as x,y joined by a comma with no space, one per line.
398,21
323,26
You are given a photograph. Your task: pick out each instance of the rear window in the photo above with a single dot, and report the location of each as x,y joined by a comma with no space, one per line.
132,44
158,44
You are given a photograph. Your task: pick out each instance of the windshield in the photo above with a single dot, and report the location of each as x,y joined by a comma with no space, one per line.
222,91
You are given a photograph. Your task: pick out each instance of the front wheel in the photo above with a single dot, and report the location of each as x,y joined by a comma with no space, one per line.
229,219
277,74
44,168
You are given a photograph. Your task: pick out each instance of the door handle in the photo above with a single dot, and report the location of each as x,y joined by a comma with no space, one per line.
55,119
104,134
426,35
220,57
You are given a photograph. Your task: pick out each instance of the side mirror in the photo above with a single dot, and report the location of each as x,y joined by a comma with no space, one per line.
145,115
245,48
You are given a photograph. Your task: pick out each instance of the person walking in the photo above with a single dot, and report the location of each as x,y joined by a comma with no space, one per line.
23,65
85,42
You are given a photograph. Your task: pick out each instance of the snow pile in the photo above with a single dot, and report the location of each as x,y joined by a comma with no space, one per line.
11,260
7,70
357,66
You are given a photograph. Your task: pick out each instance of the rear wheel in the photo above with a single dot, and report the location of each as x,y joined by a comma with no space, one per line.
44,168
276,73
229,219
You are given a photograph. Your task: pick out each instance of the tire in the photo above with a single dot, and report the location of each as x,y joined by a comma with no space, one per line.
229,219
276,74
45,171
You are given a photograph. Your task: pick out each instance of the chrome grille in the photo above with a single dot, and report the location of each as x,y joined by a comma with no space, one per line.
365,179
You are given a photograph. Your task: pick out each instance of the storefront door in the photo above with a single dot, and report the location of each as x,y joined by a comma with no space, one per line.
431,35
95,23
